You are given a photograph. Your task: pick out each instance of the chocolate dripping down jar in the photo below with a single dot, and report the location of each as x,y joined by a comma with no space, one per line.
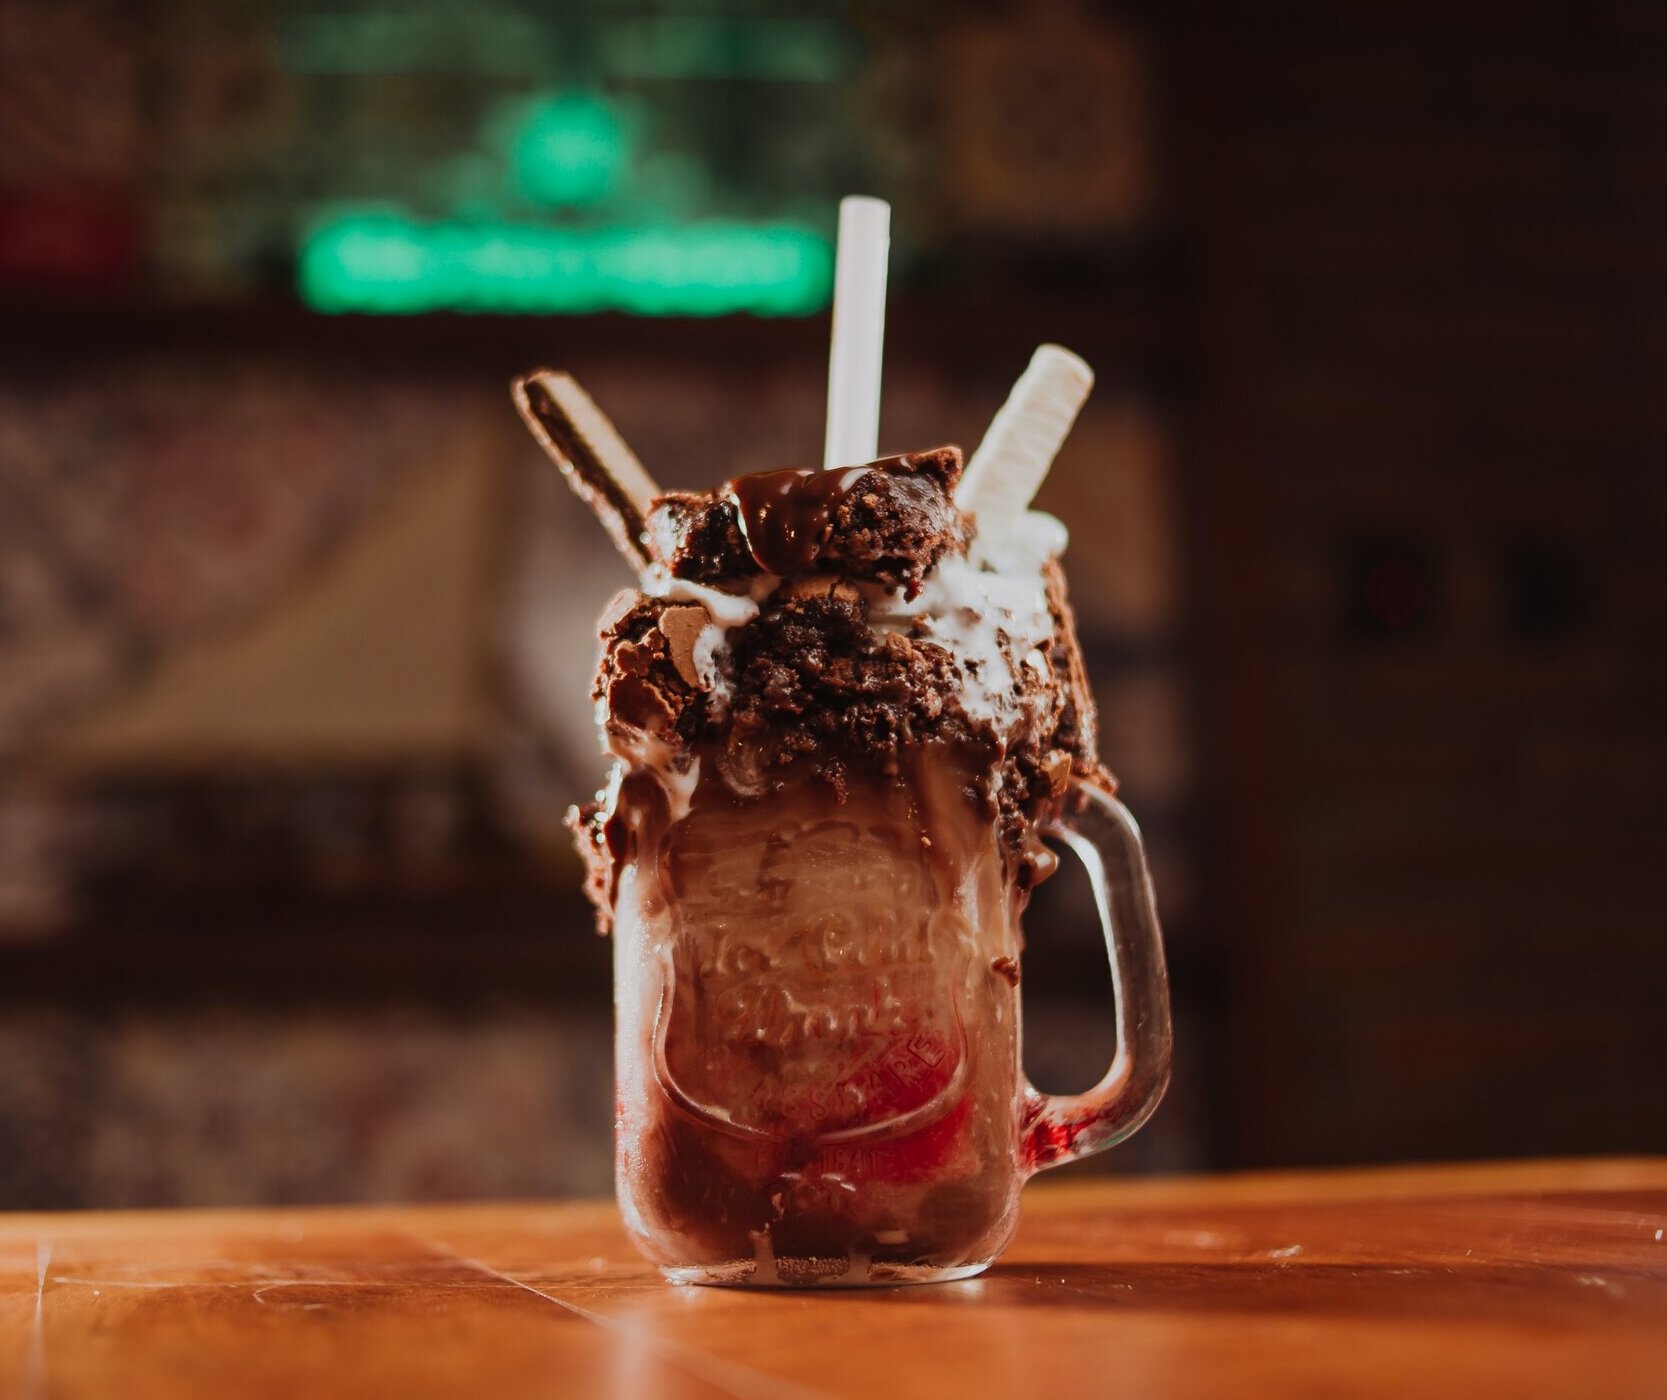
818,1019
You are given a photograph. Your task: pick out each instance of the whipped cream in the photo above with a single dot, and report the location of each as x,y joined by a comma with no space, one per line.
990,612
725,609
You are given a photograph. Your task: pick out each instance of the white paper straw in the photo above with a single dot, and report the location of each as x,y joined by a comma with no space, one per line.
859,329
1026,434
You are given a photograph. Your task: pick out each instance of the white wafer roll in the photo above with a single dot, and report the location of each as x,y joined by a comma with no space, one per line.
1011,463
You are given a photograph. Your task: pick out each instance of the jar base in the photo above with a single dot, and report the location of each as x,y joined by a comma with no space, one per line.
817,1273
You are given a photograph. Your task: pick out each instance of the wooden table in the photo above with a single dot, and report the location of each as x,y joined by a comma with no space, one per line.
1535,1279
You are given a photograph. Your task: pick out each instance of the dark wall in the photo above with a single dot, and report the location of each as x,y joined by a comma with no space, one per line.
1432,503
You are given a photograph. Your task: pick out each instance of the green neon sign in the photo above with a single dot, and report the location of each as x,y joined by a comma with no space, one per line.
392,264
567,150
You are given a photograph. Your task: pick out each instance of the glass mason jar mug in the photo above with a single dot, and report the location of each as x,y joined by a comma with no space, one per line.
817,1019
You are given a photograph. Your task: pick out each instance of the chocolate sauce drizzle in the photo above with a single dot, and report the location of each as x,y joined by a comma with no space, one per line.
787,516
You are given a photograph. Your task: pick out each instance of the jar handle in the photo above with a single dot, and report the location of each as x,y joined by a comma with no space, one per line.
1061,1128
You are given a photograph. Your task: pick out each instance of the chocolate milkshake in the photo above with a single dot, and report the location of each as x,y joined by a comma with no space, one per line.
839,733
845,706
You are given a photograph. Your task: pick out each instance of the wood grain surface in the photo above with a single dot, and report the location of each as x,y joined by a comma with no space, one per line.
1523,1280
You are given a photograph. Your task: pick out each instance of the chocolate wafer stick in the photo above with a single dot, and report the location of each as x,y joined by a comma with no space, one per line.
603,472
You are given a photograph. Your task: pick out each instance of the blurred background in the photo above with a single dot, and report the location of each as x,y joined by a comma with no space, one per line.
296,622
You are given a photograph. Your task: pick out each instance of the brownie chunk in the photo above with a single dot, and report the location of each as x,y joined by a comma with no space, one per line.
816,686
697,536
648,681
887,522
